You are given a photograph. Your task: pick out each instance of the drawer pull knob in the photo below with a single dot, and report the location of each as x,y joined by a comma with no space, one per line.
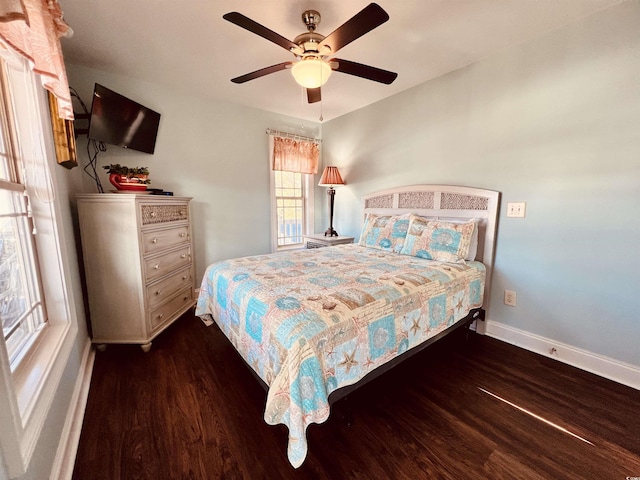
184,277
156,266
160,315
182,235
158,292
186,297
155,240
182,212
184,255
152,214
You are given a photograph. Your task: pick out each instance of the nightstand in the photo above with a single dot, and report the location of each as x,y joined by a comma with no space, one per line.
318,240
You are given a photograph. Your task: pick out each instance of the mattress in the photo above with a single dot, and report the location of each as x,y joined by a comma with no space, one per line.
311,321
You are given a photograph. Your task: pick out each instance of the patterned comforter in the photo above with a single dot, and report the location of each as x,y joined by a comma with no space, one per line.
312,321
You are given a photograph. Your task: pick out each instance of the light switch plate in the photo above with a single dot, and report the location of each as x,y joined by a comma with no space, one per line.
516,209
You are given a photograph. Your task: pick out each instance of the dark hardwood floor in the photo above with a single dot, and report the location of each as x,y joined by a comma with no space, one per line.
190,409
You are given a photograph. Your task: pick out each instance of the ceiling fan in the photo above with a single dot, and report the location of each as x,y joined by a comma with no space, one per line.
314,63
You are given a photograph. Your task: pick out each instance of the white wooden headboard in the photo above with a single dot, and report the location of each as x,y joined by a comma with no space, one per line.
445,202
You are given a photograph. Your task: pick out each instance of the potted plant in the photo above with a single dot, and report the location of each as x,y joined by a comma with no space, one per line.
128,178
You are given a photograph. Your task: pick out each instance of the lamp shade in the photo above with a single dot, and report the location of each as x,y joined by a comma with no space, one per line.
311,72
330,177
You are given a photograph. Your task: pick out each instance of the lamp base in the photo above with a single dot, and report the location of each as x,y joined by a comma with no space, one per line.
330,232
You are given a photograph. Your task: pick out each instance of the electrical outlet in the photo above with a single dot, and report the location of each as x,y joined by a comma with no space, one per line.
510,298
516,209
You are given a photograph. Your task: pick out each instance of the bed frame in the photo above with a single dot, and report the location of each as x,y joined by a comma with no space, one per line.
442,202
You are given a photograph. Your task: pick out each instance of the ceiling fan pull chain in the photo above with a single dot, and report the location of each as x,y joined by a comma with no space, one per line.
321,97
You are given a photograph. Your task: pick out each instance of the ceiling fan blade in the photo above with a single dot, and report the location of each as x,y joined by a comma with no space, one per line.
313,95
364,71
261,73
255,27
366,20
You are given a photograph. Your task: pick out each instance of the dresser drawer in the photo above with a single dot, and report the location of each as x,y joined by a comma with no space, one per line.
158,240
159,316
161,265
154,213
159,292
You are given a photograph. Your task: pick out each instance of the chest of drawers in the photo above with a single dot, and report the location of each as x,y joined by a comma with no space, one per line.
137,252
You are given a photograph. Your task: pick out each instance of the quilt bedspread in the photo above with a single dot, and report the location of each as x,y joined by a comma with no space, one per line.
311,321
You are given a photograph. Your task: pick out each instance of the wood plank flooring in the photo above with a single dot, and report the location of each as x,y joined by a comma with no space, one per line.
190,409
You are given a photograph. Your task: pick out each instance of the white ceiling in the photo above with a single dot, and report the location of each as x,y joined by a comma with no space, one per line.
186,44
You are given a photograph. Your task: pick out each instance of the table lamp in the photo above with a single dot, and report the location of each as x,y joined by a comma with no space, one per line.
330,178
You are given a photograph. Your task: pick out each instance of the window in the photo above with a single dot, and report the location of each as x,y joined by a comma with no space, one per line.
291,191
21,307
38,312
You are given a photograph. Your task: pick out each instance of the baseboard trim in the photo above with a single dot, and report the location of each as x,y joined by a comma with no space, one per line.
64,461
606,367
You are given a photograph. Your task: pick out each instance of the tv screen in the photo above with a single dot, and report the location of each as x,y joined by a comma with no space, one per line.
117,120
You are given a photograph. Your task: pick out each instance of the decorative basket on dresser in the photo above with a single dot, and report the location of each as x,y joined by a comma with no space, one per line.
137,252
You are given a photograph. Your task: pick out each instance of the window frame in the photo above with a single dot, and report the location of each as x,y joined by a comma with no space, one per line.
27,393
307,212
298,200
31,279
308,191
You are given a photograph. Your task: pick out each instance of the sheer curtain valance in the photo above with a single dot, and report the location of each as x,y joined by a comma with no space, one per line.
295,155
33,28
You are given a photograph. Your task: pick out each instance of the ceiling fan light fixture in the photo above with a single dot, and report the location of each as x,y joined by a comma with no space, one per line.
313,51
311,72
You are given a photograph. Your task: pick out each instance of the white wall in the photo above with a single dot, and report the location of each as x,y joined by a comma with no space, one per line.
213,151
555,123
552,122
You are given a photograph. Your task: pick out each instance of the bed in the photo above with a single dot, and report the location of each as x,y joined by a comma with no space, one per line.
314,324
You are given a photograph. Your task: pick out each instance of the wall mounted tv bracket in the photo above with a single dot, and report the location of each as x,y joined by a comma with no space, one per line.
84,117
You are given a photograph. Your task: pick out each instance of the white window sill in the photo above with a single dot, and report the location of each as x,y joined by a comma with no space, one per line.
297,246
29,378
34,385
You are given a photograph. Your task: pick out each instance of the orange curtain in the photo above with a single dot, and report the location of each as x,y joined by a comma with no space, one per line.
13,10
293,155
33,29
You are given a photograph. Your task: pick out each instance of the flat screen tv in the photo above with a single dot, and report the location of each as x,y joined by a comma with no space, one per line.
117,120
